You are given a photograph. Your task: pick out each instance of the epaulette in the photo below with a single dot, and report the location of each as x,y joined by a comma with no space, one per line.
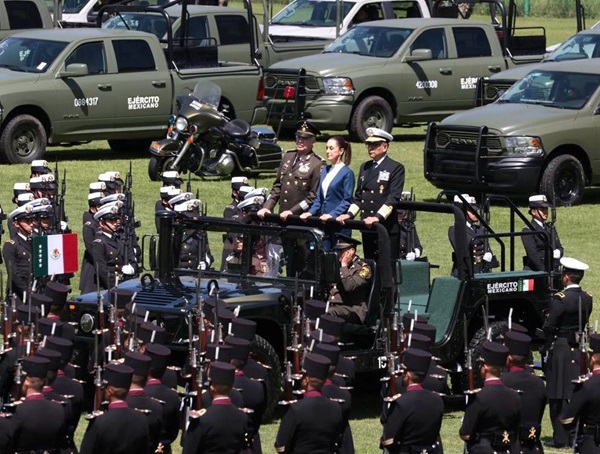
474,391
246,410
143,410
263,365
365,270
98,240
162,402
198,413
589,294
560,295
88,223
437,377
10,241
338,400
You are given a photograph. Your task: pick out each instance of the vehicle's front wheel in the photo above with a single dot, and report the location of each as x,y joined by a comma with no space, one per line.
371,112
263,352
157,166
563,180
23,140
129,145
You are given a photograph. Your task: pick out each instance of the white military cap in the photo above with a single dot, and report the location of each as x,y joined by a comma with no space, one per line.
112,198
180,198
110,210
378,135
538,201
97,186
251,203
573,264
258,192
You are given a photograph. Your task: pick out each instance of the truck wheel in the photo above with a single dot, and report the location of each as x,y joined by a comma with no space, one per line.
157,166
564,179
497,328
23,140
263,352
129,145
371,112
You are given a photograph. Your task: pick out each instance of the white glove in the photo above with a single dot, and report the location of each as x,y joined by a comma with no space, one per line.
487,257
411,256
128,270
556,253
63,226
417,252
202,265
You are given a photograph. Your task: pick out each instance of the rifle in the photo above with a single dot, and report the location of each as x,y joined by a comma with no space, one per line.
468,359
288,379
583,356
188,185
554,269
201,327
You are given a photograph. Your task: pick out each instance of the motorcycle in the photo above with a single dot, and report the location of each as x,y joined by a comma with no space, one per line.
201,139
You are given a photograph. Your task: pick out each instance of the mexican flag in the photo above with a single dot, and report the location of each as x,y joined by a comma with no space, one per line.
55,254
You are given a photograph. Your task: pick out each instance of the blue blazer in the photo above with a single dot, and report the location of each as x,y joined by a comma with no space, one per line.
339,194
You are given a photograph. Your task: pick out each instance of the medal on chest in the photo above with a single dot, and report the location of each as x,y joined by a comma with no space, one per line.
304,167
384,175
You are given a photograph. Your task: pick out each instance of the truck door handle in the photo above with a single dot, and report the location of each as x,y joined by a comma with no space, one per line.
446,71
159,83
494,69
105,87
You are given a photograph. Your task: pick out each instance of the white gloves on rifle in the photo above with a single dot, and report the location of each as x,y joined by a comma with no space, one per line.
487,257
128,270
63,226
411,256
556,253
202,265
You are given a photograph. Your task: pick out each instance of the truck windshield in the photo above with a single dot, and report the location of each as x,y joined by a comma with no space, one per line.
145,22
313,13
577,47
29,55
370,40
560,89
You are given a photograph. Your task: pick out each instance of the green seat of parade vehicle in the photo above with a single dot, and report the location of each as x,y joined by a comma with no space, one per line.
412,278
446,292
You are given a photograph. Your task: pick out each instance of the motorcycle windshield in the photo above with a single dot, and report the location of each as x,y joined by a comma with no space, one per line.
208,92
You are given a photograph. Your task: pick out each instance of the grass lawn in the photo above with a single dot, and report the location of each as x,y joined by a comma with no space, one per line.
84,163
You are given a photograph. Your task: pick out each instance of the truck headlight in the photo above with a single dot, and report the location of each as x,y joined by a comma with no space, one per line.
181,124
87,322
524,146
338,86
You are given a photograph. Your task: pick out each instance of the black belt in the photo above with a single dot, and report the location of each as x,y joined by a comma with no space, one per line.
500,438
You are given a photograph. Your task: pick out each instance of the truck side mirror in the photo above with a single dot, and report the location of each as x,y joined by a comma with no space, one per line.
74,70
418,55
331,268
152,253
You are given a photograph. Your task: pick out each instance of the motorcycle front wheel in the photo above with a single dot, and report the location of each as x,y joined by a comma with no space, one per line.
158,165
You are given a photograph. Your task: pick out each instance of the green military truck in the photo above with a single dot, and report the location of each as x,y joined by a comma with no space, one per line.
463,308
541,135
22,15
74,85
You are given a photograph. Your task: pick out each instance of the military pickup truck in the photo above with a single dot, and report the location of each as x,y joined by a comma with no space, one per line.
585,44
464,308
539,136
394,72
23,14
74,85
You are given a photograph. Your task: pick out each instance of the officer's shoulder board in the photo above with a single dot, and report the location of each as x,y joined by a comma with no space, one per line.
588,294
88,223
365,270
162,402
97,240
9,241
143,410
560,295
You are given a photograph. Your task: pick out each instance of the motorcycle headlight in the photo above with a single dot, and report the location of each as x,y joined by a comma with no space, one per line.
87,323
338,86
181,124
525,146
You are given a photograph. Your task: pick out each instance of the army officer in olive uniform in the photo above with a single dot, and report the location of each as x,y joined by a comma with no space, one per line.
379,189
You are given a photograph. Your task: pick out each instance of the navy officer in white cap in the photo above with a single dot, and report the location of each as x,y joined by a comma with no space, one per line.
569,313
378,191
535,245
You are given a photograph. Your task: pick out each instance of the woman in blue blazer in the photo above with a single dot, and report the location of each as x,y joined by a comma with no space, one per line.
336,186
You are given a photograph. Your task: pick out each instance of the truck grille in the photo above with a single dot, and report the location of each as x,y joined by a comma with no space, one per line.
276,82
466,141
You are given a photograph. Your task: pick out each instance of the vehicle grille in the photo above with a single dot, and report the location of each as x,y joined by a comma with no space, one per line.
164,296
276,82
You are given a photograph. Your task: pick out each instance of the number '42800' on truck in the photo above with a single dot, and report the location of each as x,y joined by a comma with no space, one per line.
76,85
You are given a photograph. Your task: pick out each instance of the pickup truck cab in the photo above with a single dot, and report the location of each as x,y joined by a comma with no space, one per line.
390,73
22,15
318,19
225,27
75,85
541,136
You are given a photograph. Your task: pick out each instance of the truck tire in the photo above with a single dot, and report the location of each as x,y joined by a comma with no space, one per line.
263,352
23,140
564,180
129,145
371,112
156,167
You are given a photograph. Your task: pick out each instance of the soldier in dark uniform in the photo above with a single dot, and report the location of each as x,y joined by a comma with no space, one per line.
194,252
120,430
231,209
300,429
38,424
166,193
535,246
348,297
482,256
491,421
159,355
415,419
569,314
246,329
222,428
17,251
583,410
379,189
410,245
108,249
138,399
531,388
113,181
90,227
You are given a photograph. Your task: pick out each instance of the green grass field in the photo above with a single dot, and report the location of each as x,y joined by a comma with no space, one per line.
84,163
